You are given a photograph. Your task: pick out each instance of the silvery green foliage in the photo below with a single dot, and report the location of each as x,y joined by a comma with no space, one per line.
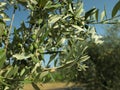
58,29
97,39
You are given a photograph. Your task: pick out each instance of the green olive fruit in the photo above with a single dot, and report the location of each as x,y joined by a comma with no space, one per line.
31,47
34,37
5,32
35,45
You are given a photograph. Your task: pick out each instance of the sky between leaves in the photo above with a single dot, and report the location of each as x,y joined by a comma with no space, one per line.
88,4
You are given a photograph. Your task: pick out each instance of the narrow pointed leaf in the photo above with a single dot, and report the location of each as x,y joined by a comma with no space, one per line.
54,19
43,74
21,56
96,15
2,28
115,9
2,57
102,15
79,10
70,8
90,12
51,59
78,27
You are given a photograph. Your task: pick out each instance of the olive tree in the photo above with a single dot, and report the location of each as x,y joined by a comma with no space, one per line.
57,28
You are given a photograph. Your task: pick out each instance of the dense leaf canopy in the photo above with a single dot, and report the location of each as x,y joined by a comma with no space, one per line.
59,29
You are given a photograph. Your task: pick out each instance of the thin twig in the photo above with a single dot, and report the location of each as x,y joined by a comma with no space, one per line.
9,32
106,21
11,24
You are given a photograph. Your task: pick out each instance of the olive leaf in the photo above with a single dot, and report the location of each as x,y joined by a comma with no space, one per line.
2,57
115,9
22,56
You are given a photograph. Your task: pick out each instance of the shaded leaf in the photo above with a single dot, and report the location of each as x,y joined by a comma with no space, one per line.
52,76
42,3
2,28
89,13
34,59
26,81
35,86
2,81
2,57
1,21
11,71
43,74
96,15
115,9
55,62
52,57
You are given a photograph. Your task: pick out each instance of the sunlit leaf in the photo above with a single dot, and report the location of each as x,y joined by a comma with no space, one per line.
21,56
35,67
54,19
84,58
78,27
2,4
42,3
30,6
49,5
61,41
6,19
22,72
70,8
33,2
103,14
80,10
4,16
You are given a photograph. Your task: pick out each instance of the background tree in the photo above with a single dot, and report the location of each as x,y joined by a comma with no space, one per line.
103,71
